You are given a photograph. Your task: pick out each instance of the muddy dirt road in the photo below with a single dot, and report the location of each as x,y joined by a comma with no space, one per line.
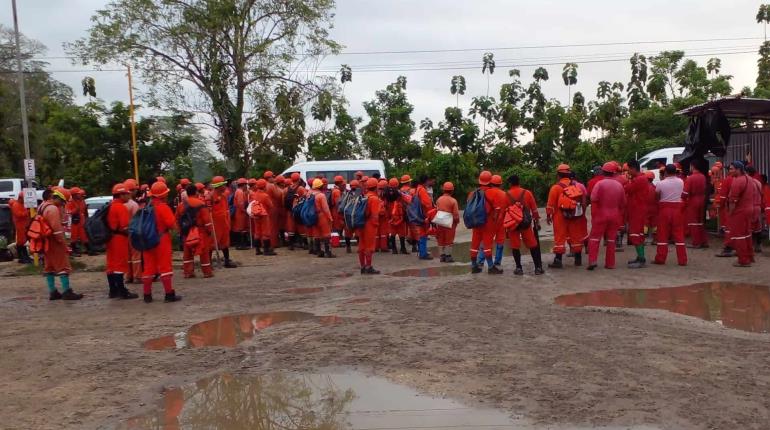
497,342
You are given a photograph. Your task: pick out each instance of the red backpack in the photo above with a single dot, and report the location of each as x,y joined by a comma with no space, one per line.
517,215
571,201
39,232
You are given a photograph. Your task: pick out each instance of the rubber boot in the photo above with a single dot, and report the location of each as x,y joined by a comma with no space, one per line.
123,292
243,242
393,247
90,249
268,250
403,246
76,249
537,258
290,243
171,297
517,259
312,249
113,294
578,259
328,250
24,256
757,242
557,263
257,247
475,267
228,263
68,294
414,246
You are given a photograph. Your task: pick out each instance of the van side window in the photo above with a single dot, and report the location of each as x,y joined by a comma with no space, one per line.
654,164
6,186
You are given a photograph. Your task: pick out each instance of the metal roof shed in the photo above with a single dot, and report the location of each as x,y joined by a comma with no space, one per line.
750,133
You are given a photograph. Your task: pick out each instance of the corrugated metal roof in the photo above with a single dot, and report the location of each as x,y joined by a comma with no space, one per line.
733,107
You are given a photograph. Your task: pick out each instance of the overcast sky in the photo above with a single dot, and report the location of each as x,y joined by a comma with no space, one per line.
397,25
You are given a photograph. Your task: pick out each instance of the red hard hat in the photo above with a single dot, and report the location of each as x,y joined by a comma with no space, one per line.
62,193
406,179
354,183
218,181
324,181
161,179
338,179
159,189
74,190
497,180
609,167
393,182
242,181
130,184
185,182
280,179
364,179
295,177
252,181
261,184
649,174
199,186
485,177
371,183
119,189
268,174
563,168
382,184
448,186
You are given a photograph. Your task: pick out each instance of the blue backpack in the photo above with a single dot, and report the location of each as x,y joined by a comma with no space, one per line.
307,212
475,214
414,213
355,212
143,230
231,204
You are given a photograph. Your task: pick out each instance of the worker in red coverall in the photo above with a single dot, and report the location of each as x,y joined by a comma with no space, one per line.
724,215
485,234
275,194
117,245
383,230
637,191
322,230
134,273
368,234
499,200
766,200
78,213
158,260
669,192
573,230
280,186
445,236
21,219
296,230
428,210
57,262
518,194
740,209
695,194
407,192
651,221
608,202
240,225
220,214
756,219
261,227
202,224
338,219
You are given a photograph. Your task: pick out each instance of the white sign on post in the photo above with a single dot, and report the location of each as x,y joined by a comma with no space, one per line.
30,198
29,168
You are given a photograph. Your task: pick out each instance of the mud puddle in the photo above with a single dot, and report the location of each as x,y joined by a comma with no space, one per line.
740,306
331,401
430,272
461,252
231,330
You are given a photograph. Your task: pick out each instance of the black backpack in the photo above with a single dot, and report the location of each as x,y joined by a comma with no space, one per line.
97,229
288,201
187,220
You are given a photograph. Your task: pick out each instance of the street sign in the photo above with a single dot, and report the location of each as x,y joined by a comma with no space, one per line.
29,168
30,198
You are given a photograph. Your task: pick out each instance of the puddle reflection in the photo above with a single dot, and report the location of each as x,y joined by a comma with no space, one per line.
430,272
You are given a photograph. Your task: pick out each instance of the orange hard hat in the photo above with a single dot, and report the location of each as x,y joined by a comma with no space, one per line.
185,182
268,174
354,183
485,177
161,179
295,177
280,179
252,181
649,174
448,186
242,181
218,181
261,184
393,182
289,181
159,189
497,180
625,166
563,168
317,184
609,167
145,187
62,193
130,184
718,165
74,190
406,179
119,189
382,184
371,183
364,178
199,186
338,179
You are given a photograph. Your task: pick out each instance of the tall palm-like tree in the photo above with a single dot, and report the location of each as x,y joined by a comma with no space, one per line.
488,65
346,75
457,88
569,74
763,16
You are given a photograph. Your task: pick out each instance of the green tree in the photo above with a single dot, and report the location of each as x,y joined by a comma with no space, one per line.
569,75
457,88
229,50
763,71
340,143
763,16
388,134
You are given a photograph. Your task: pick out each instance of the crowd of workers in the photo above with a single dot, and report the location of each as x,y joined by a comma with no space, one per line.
261,214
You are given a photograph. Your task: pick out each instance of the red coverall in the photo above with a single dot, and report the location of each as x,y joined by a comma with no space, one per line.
652,208
637,197
486,233
695,209
398,222
134,272
574,230
338,220
57,261
766,199
383,229
427,206
275,194
368,234
323,228
220,213
117,246
741,211
78,214
500,202
241,219
446,236
724,214
261,227
527,235
203,223
608,203
21,221
670,225
158,259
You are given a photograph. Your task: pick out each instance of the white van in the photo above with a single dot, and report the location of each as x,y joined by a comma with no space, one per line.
655,159
329,169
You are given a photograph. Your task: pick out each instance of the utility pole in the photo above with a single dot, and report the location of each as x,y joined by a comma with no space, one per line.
133,124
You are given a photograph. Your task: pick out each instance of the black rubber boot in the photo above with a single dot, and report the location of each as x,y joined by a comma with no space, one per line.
371,271
228,263
403,246
56,295
24,256
448,259
328,249
313,247
113,294
537,258
90,249
557,264
475,268
257,247
348,250
517,259
290,243
393,247
122,290
76,249
148,298
71,295
172,297
578,259
268,250
414,247
243,242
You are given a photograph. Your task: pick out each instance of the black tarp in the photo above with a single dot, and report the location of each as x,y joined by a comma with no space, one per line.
709,131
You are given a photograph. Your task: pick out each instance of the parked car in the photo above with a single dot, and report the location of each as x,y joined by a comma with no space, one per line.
329,169
11,187
93,204
654,159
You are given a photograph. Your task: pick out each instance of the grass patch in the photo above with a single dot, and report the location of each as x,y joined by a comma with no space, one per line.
77,266
28,270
